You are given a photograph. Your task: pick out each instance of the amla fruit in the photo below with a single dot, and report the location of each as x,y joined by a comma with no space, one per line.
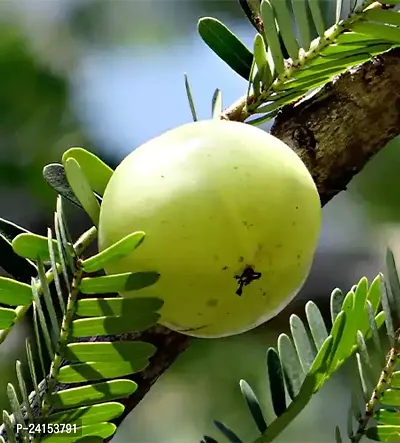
232,219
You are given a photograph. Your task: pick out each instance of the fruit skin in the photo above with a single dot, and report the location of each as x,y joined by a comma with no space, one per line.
214,197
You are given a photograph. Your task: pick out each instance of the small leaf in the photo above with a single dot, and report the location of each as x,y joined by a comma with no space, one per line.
387,417
382,16
286,28
19,268
228,433
276,383
82,189
7,317
226,45
387,310
118,283
316,12
88,414
98,174
384,433
316,323
300,12
190,99
216,104
115,252
14,293
271,34
337,298
42,319
261,60
389,33
391,397
109,351
94,433
82,372
90,394
24,391
253,405
93,307
32,369
113,325
55,176
33,246
292,370
393,278
302,343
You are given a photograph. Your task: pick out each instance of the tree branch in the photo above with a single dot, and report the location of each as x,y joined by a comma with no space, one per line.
335,133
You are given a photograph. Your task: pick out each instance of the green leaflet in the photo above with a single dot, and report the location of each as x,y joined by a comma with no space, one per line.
98,174
82,189
395,380
384,433
271,34
391,397
118,283
93,307
254,405
190,99
226,45
351,38
292,370
34,246
317,324
14,293
109,351
88,414
380,32
284,18
387,417
261,59
316,12
55,176
114,252
276,383
383,16
92,371
300,12
113,325
98,430
304,348
94,393
7,317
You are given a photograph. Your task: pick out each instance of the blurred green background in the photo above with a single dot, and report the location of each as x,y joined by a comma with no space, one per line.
108,75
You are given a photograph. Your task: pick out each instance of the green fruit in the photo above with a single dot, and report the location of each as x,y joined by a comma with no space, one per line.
232,219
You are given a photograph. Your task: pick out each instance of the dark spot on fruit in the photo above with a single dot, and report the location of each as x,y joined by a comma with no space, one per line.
164,222
297,207
247,276
244,223
162,176
294,224
298,255
278,246
264,294
241,259
235,167
227,313
225,268
212,302
199,314
216,257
